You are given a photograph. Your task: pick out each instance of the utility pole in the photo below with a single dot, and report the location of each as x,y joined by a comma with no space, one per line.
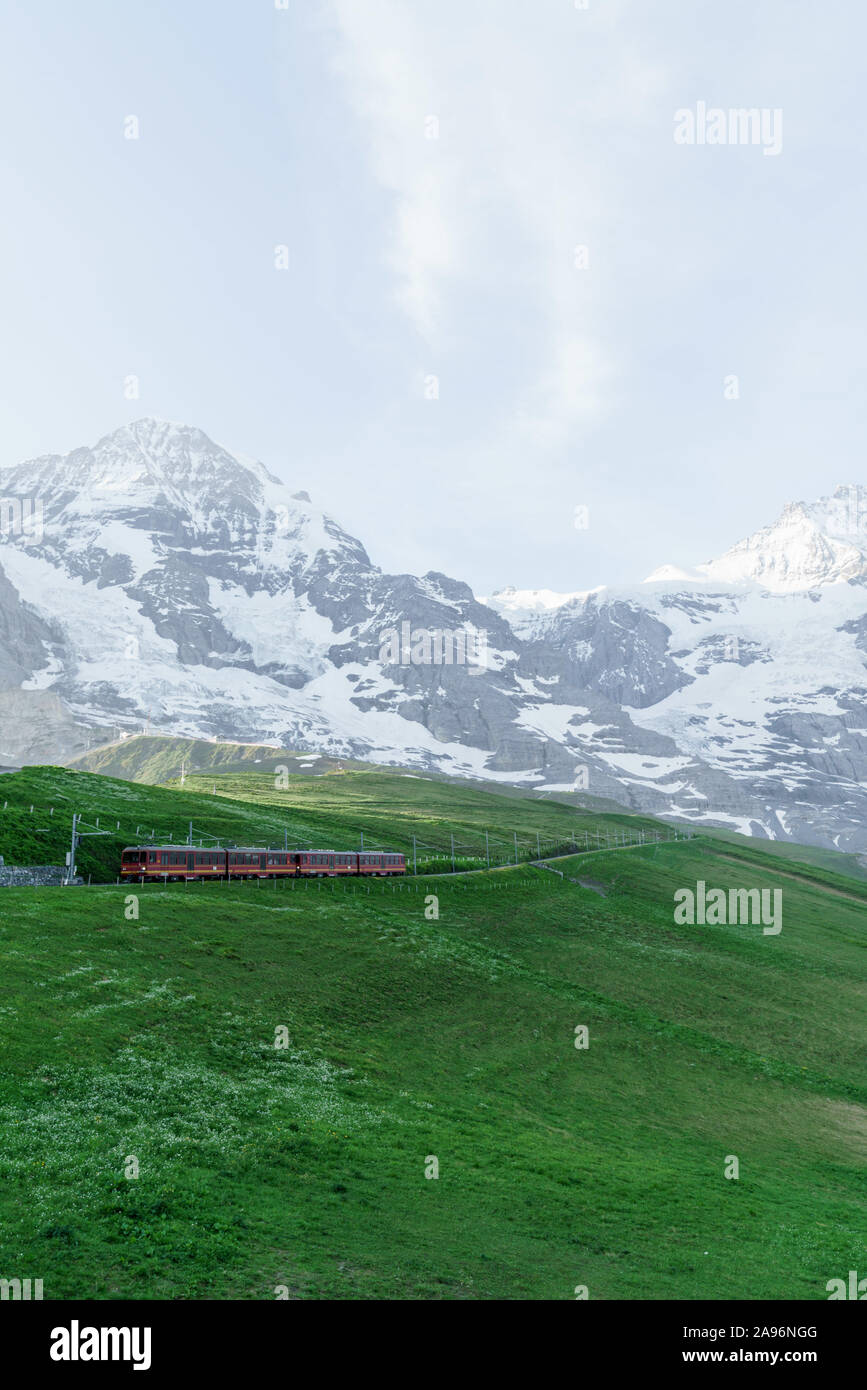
487,850
538,846
77,833
453,853
515,833
190,836
362,839
414,869
70,877
285,839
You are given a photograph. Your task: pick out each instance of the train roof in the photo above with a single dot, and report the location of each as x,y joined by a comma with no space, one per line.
200,849
252,849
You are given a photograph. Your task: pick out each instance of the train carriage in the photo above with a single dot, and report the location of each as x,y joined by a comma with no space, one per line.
380,864
325,863
247,863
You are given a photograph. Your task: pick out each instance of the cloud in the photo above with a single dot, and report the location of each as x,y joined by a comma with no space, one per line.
393,90
483,124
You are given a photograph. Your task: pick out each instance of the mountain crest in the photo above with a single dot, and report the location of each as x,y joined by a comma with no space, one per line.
810,545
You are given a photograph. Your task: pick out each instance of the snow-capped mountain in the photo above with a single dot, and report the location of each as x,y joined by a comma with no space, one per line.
753,666
157,578
810,546
174,583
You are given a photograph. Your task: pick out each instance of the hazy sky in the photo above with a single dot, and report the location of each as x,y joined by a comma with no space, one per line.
431,166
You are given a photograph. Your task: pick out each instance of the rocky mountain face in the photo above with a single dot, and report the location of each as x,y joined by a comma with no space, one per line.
157,580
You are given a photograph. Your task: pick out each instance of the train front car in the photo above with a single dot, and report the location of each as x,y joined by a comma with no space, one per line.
169,863
133,862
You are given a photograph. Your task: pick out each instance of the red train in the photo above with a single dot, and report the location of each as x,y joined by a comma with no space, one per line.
170,862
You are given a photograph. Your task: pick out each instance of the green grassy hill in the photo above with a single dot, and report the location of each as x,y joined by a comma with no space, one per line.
412,1037
387,808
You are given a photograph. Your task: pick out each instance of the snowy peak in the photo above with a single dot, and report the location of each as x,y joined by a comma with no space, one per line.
531,612
811,545
142,464
173,481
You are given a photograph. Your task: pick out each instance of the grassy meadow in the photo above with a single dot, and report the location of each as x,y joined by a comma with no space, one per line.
428,1020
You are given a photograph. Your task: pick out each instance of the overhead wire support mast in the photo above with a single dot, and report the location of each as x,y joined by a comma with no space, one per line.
77,835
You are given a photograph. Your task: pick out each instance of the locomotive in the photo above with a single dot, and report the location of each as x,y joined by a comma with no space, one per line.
172,862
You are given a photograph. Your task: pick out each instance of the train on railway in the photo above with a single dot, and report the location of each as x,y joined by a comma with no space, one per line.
170,863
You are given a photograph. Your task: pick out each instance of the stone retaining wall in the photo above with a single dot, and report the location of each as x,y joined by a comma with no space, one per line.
36,876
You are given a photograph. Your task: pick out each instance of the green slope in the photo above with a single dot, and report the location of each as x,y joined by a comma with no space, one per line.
304,1168
855,865
330,812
